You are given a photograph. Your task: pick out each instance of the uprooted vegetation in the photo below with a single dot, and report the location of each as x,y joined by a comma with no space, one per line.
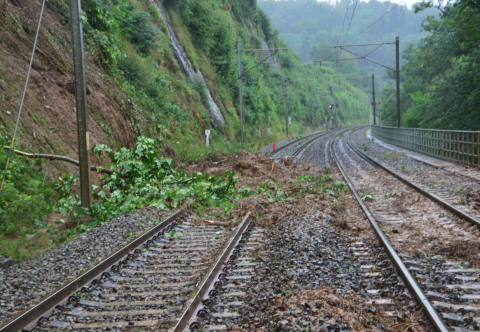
142,176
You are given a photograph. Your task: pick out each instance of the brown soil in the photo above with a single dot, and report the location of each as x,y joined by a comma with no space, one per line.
48,123
341,209
348,308
419,229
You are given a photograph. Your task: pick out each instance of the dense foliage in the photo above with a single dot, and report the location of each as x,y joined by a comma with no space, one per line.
129,41
25,198
142,177
440,76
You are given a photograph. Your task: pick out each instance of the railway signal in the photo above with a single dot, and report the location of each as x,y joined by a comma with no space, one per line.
360,57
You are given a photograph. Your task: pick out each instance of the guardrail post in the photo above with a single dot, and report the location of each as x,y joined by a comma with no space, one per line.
468,148
440,134
478,148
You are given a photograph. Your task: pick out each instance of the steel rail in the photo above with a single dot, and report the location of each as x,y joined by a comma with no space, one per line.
407,278
298,140
203,286
300,149
424,192
34,313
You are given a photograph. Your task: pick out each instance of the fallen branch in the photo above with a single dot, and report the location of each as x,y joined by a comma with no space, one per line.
63,158
273,165
217,223
284,216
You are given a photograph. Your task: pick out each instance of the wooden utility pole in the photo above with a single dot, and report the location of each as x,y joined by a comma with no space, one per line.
81,103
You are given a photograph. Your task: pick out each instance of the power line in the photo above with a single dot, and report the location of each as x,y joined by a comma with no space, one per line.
343,25
351,19
395,6
23,98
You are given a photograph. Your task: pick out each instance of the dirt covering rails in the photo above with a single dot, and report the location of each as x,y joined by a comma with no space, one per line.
431,241
312,277
458,185
280,144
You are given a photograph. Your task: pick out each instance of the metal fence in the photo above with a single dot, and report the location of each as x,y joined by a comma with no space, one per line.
461,146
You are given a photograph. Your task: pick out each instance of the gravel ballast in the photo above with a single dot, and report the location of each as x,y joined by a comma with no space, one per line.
269,148
311,281
23,284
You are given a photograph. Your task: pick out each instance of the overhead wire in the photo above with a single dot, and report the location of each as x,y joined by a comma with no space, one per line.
351,19
343,25
389,11
23,98
230,86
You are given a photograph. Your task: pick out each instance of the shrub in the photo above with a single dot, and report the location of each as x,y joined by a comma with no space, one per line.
24,203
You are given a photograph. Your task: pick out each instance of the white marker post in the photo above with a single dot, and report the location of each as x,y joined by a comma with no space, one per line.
207,134
289,120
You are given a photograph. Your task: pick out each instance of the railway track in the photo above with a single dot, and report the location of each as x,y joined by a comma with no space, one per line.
154,283
284,143
448,290
297,145
184,277
447,188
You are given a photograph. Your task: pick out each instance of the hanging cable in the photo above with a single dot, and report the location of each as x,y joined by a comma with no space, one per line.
343,25
23,99
395,6
351,19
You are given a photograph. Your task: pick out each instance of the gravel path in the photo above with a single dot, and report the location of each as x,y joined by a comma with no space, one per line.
23,284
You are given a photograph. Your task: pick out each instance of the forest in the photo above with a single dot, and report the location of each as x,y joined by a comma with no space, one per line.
438,44
439,76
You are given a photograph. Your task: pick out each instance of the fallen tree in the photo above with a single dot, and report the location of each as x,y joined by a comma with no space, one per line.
99,169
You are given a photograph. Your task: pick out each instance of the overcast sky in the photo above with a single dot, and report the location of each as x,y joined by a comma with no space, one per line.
409,3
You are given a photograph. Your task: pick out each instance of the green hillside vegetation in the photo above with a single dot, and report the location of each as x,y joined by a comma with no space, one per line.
130,62
440,76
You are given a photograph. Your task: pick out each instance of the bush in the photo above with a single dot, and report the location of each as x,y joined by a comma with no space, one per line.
199,86
25,200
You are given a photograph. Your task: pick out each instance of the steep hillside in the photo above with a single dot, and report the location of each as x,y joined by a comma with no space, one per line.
161,69
148,64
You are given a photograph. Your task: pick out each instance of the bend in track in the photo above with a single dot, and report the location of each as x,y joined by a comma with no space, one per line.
404,273
417,187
